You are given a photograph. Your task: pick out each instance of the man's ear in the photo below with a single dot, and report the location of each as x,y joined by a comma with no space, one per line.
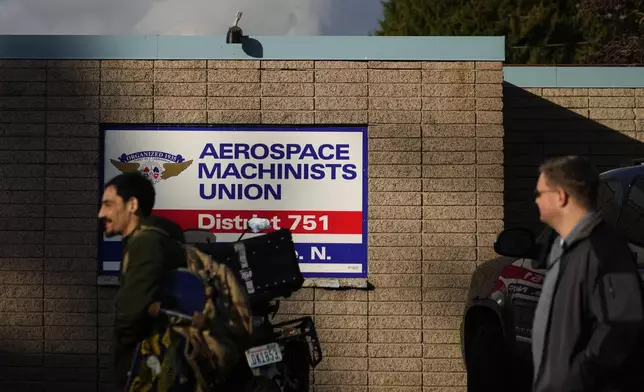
563,198
132,205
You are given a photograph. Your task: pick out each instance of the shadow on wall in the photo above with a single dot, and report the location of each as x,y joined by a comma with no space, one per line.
22,221
49,323
252,47
539,127
18,367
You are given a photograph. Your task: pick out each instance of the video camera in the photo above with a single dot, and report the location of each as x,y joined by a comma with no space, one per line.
266,264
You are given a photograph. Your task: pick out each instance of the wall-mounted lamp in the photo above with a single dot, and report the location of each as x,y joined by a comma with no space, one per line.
235,33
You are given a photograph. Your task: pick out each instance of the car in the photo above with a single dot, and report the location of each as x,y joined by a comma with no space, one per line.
496,330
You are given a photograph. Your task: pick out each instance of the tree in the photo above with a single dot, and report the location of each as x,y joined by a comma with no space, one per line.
536,31
622,41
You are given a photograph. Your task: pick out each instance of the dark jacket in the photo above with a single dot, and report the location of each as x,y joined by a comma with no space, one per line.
150,254
594,338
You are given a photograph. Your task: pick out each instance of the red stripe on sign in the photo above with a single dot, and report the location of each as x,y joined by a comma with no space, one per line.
299,222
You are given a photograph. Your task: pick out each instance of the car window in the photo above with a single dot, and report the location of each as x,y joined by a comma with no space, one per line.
631,221
610,191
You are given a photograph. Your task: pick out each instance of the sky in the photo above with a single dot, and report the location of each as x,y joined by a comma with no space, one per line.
192,17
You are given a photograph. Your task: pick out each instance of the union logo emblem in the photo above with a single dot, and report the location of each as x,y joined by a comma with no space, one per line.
155,165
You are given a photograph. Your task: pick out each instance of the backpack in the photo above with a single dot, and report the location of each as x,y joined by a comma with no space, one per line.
220,333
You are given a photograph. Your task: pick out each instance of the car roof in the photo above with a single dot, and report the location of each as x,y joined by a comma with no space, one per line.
624,174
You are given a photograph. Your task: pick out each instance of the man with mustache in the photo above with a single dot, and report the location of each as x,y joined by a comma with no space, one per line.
126,206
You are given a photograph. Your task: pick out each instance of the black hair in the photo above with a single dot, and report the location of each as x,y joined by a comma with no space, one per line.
576,175
135,185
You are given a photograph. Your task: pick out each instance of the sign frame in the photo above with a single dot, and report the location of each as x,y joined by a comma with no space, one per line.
110,277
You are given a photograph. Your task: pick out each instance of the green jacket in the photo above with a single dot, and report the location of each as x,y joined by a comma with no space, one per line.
150,255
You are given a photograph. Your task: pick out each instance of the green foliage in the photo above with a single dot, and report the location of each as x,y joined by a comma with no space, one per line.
623,35
536,31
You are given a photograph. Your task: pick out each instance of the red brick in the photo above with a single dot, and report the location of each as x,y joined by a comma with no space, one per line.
70,319
20,250
72,157
14,88
70,347
70,278
70,305
22,157
78,265
70,333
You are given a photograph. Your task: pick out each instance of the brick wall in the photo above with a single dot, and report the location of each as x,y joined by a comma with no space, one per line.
436,182
606,124
435,203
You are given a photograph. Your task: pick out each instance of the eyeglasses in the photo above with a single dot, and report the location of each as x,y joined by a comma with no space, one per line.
538,193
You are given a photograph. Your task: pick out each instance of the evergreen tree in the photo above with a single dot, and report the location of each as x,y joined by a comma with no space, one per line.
536,31
622,39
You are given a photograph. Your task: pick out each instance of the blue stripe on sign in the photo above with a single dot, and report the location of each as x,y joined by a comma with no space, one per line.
111,250
334,275
307,253
326,274
231,128
332,253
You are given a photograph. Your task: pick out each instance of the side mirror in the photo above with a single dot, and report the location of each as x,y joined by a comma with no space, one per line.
515,242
